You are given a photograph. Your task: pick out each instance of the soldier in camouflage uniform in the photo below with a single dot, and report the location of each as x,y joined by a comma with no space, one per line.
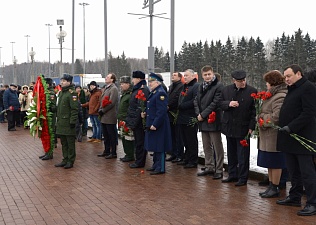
67,116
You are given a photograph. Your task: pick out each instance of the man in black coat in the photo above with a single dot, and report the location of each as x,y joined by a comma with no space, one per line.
177,143
134,120
185,120
12,104
238,121
297,116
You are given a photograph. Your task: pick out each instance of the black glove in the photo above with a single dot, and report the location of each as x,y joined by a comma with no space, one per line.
285,129
101,113
72,125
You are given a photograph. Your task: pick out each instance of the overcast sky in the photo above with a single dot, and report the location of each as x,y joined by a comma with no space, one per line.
195,20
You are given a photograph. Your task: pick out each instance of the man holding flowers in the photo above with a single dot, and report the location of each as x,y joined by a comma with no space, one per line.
238,121
208,113
297,116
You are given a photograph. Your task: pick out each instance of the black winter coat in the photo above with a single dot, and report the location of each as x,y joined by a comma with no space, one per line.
133,118
208,101
237,121
298,113
174,93
10,98
186,105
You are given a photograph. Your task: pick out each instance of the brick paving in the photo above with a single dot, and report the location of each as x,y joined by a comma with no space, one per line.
107,191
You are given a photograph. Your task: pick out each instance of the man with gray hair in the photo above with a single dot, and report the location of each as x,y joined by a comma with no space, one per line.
189,128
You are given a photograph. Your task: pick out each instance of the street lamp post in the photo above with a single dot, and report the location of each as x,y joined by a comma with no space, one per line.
84,36
12,42
15,80
32,54
27,47
49,25
60,36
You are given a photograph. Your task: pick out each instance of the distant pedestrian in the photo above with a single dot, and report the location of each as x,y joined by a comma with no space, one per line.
12,104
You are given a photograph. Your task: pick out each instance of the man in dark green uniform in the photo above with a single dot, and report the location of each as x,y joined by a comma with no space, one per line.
52,108
67,116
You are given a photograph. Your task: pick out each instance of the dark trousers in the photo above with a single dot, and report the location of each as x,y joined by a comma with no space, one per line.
128,147
177,142
68,146
159,161
109,134
13,118
23,117
2,115
190,141
302,173
238,159
140,151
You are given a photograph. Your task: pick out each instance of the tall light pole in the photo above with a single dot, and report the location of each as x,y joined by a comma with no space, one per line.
60,36
12,42
84,36
27,47
0,67
15,80
49,25
32,53
106,68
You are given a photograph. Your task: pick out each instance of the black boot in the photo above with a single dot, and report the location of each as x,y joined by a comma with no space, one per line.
48,157
273,192
42,156
267,190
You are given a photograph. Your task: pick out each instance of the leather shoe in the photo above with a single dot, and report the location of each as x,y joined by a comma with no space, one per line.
111,156
150,169
230,180
241,183
181,163
102,155
48,157
176,160
217,176
308,210
62,164
170,158
156,172
42,156
134,165
189,165
68,165
205,172
288,201
127,160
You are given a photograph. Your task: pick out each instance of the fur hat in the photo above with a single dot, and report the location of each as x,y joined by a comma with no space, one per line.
49,81
138,74
274,77
239,74
67,77
125,79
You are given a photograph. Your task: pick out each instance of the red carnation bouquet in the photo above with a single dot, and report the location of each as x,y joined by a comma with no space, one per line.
141,98
211,117
106,101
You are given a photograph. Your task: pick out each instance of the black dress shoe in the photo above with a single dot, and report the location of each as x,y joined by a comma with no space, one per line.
111,156
308,210
134,165
189,165
217,176
205,172
181,163
62,164
68,165
42,156
241,183
150,169
156,173
12,129
48,157
102,155
288,201
127,160
230,180
170,158
176,160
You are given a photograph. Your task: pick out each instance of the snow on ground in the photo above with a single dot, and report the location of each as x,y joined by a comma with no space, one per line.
253,153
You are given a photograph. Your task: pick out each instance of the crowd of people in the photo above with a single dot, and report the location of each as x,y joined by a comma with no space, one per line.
149,117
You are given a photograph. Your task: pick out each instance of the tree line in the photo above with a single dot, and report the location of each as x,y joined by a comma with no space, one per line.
250,55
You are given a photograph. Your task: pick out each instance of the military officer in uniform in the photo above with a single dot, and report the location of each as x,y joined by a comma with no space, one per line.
158,133
67,116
